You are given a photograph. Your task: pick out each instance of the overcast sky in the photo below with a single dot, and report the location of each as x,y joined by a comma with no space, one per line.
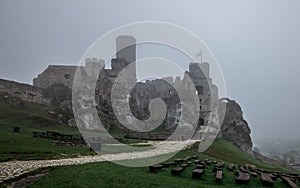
256,43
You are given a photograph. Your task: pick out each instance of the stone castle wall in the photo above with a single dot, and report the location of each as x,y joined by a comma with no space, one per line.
206,91
60,74
26,92
55,84
55,74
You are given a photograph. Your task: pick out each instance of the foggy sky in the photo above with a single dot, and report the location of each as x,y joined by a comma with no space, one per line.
256,43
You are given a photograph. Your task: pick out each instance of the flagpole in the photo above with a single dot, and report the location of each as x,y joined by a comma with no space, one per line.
201,57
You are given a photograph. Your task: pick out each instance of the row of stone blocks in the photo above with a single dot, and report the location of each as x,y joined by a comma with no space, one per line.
181,163
243,173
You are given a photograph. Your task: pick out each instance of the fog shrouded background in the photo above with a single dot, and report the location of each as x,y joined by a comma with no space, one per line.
256,43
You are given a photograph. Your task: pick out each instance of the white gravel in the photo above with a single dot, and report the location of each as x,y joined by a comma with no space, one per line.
13,169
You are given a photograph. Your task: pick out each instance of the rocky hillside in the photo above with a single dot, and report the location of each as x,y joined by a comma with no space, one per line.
235,128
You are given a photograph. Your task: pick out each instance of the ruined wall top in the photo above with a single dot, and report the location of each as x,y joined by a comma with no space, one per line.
55,74
26,92
199,70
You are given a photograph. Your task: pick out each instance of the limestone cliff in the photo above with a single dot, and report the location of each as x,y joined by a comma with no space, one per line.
235,128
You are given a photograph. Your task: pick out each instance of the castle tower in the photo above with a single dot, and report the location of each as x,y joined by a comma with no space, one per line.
125,55
126,48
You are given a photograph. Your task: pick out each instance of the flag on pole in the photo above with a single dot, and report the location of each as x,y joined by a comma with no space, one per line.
200,55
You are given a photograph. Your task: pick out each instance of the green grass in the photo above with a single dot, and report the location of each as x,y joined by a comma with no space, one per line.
223,150
22,145
107,174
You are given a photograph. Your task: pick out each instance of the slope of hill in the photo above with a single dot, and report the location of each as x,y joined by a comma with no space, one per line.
226,151
35,117
31,117
106,174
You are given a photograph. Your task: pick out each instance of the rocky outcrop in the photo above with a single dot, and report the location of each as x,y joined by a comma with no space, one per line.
235,128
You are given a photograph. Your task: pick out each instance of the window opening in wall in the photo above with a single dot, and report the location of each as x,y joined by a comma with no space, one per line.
67,76
200,90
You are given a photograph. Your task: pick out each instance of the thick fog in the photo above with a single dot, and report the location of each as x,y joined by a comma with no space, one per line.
256,42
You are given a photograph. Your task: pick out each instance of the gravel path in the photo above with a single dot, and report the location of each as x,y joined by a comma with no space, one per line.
13,169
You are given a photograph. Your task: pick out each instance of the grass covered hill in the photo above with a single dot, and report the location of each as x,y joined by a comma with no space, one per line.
107,174
31,117
34,117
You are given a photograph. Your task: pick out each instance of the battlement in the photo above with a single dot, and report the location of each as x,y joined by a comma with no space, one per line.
91,60
61,74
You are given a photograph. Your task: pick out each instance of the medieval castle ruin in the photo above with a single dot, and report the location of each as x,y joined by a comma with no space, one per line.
54,87
56,81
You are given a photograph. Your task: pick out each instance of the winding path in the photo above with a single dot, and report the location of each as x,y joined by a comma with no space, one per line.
13,169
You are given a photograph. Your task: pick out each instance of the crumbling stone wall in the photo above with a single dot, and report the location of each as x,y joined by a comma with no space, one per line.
56,84
26,92
55,74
